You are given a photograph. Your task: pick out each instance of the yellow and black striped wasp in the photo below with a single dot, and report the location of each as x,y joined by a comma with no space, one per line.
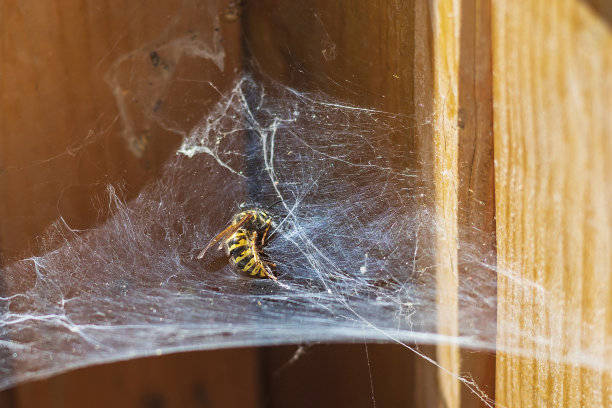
244,240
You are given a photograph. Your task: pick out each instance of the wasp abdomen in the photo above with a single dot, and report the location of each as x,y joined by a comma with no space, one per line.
241,254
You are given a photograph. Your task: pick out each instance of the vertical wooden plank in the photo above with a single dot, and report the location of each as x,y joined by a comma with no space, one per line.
445,26
429,388
553,86
463,177
476,193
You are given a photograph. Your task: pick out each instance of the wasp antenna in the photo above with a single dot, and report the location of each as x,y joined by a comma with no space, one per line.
272,205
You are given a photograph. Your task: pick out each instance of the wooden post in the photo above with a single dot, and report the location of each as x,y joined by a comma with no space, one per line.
463,176
444,18
553,143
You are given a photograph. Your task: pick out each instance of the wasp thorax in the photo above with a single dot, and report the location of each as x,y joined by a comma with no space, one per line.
259,221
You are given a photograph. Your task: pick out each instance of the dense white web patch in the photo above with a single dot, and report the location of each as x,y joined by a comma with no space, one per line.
345,242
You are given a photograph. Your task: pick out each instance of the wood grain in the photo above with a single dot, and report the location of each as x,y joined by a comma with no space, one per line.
445,22
64,133
445,51
476,195
60,143
464,185
553,142
379,375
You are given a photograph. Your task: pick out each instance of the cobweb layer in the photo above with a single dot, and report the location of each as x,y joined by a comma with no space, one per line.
345,244
350,240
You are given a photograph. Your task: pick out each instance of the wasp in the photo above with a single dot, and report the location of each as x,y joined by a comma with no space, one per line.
244,240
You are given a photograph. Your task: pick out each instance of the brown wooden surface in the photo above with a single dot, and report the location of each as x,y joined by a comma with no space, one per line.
445,55
63,135
553,89
220,378
62,140
340,376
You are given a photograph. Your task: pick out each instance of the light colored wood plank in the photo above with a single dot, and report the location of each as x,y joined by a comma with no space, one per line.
424,96
553,144
445,29
463,178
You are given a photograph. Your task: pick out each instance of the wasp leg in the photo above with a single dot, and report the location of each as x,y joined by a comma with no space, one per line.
265,234
265,258
268,271
256,255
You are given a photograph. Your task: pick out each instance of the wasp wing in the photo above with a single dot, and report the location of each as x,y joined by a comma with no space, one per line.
226,232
